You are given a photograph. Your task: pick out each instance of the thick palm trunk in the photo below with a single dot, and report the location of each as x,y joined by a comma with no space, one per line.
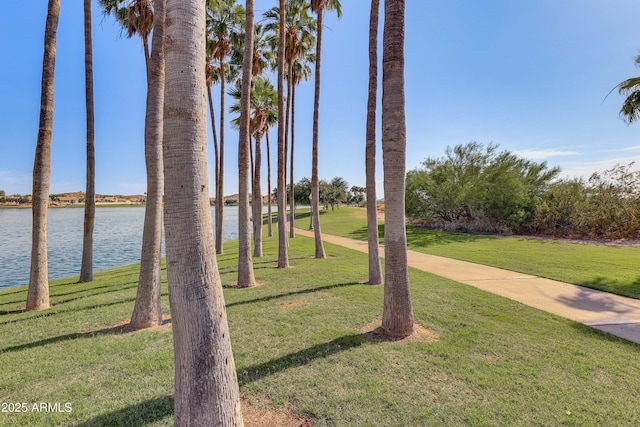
86,269
375,270
38,293
283,250
397,316
220,184
206,386
292,202
269,219
147,310
315,189
246,277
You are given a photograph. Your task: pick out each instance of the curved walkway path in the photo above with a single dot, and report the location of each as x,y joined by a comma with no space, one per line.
617,315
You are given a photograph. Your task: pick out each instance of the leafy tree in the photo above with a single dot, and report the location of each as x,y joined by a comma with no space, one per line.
474,182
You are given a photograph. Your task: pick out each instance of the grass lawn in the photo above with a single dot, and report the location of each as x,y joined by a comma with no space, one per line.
300,342
609,268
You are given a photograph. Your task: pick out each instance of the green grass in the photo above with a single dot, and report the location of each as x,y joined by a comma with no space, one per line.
608,268
299,342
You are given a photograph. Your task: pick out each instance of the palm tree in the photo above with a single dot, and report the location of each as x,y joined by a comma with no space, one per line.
318,7
375,270
206,385
86,270
224,19
283,250
38,292
300,29
138,17
263,115
397,315
246,277
630,110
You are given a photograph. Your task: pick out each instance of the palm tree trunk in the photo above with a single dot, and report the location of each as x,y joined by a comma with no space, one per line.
283,250
147,310
38,293
86,269
246,277
375,270
315,189
216,159
288,127
206,385
269,219
397,316
256,203
292,202
220,186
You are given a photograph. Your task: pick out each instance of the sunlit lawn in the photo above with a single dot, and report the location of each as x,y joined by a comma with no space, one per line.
300,343
610,268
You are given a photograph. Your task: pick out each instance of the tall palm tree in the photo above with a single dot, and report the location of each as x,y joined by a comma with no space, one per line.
246,278
206,385
630,110
375,270
86,269
397,315
299,71
138,17
299,40
283,250
224,21
38,292
263,104
318,7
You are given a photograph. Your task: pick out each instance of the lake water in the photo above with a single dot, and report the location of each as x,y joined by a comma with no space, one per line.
117,240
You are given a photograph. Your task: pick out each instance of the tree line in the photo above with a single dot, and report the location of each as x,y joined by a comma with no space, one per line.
188,46
478,188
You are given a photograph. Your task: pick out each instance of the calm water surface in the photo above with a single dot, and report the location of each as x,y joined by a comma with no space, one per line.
117,240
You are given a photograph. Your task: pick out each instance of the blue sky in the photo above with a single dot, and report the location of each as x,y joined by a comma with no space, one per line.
529,76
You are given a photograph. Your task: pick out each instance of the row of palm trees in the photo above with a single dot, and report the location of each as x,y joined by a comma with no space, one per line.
206,388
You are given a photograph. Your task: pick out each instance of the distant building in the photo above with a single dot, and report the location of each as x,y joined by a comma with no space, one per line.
2,194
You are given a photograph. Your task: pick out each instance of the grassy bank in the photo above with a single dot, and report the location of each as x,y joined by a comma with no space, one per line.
608,268
300,343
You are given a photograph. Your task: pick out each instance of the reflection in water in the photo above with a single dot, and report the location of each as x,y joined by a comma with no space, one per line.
117,240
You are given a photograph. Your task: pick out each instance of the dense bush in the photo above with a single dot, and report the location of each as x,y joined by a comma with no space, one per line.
477,187
606,205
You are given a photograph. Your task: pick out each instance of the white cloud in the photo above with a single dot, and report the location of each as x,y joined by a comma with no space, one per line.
623,150
545,154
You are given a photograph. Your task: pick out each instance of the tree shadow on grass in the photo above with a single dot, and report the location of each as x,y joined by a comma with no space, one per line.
68,337
140,414
89,293
52,311
302,357
288,294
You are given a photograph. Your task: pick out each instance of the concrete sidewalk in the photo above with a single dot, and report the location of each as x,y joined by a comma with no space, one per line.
617,315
